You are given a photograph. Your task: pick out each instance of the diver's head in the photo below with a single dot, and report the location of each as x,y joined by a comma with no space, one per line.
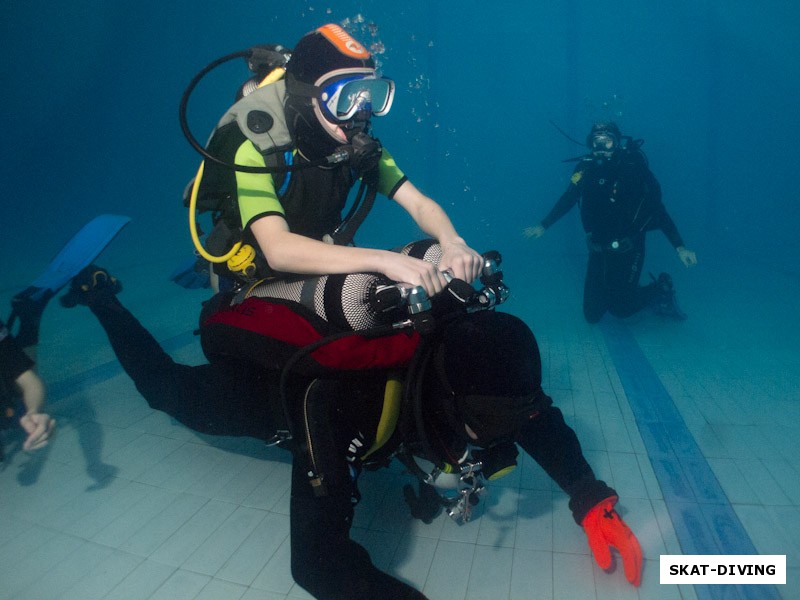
333,91
604,138
484,382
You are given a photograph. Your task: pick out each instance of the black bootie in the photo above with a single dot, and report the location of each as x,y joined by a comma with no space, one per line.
88,284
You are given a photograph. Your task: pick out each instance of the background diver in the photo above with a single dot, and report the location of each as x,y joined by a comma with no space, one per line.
620,201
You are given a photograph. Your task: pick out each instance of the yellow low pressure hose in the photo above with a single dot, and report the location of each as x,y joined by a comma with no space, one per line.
193,224
272,77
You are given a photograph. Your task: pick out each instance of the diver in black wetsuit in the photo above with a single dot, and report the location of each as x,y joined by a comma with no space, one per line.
479,392
620,201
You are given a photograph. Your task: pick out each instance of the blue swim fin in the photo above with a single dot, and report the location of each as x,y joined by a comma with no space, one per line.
78,253
193,274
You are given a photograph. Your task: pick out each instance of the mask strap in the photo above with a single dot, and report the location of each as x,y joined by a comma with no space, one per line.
298,88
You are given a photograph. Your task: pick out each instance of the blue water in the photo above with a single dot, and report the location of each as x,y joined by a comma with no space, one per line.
90,120
90,100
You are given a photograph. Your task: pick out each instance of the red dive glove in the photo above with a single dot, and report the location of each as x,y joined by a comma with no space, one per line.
606,529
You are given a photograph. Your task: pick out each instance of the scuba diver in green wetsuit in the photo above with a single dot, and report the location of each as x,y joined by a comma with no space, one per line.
282,161
620,201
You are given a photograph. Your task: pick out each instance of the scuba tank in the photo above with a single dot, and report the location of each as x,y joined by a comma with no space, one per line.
361,301
355,301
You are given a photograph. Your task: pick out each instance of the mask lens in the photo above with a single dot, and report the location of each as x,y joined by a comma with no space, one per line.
345,97
602,142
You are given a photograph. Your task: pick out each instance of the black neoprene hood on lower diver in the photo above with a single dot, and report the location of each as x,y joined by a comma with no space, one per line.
486,374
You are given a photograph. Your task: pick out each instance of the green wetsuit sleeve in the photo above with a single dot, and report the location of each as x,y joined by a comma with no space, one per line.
255,192
390,177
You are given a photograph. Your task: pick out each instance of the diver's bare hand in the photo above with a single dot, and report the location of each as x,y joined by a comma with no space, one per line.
414,271
39,428
461,261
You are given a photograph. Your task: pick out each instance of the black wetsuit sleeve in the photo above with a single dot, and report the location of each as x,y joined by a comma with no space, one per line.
13,362
564,204
659,217
553,444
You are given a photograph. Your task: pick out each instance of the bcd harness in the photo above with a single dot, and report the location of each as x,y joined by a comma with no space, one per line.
630,155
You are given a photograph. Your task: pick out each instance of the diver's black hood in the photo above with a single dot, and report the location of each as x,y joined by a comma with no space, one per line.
308,134
485,372
322,51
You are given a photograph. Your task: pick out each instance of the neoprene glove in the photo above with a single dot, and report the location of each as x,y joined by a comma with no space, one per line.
606,529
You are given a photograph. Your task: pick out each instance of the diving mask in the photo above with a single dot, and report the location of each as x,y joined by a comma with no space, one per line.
345,96
603,143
